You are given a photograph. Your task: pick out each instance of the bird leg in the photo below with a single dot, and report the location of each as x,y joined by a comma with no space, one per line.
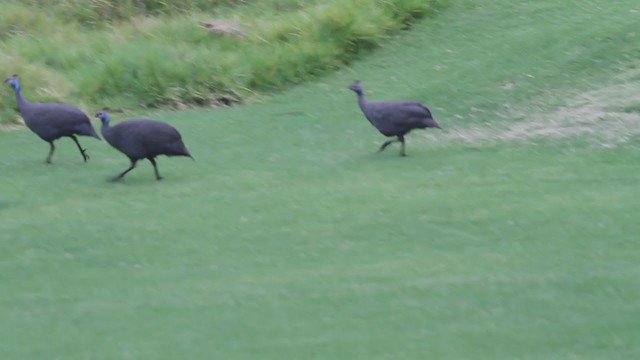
83,152
117,178
386,143
155,168
52,148
401,140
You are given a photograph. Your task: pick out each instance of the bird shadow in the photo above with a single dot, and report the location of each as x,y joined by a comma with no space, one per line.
132,181
365,160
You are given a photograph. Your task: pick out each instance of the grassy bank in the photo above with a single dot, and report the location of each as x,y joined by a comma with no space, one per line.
511,234
186,53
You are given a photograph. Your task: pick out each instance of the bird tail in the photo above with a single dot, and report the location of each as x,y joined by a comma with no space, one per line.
433,124
188,153
87,130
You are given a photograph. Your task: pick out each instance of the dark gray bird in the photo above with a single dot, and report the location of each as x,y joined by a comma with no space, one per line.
142,139
51,121
394,118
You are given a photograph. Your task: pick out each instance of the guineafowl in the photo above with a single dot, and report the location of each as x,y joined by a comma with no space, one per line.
142,139
394,118
51,121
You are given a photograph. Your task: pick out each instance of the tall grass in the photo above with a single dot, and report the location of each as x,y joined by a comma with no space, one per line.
131,54
99,12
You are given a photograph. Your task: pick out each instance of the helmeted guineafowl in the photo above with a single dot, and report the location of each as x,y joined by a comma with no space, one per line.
394,118
142,139
51,121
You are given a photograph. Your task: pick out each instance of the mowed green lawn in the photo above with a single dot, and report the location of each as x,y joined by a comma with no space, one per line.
289,237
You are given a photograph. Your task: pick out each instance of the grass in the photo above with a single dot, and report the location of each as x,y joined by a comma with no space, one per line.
150,54
289,237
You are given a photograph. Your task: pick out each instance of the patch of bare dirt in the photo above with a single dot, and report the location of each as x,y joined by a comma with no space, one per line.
607,116
223,27
18,124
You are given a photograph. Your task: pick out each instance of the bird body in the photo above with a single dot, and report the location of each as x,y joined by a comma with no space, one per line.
51,121
394,118
142,139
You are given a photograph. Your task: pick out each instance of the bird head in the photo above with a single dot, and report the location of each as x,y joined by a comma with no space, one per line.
13,82
103,115
356,87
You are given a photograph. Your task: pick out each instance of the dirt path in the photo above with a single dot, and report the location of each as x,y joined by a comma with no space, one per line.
609,116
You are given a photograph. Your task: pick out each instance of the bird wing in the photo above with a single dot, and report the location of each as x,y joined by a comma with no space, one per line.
146,133
52,120
61,114
401,113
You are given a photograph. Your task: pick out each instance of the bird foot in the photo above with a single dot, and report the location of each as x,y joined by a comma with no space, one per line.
85,156
403,154
385,144
116,179
159,178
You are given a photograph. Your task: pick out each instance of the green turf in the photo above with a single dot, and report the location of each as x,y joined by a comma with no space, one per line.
290,238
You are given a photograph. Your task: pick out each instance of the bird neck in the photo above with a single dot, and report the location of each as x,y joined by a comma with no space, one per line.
106,131
22,102
361,100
